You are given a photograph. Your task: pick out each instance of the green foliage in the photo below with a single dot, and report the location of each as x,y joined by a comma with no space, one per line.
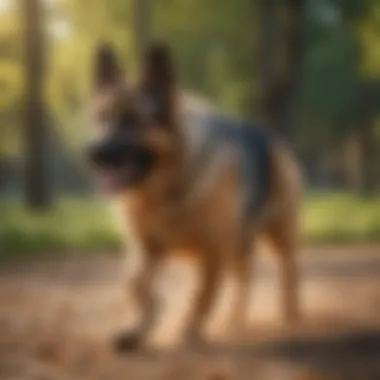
214,46
10,81
369,36
331,83
73,225
340,89
77,226
214,43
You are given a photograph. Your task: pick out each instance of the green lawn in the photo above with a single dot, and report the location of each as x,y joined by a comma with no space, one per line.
72,225
86,225
341,218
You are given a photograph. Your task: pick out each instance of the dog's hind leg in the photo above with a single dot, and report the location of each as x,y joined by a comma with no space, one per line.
282,226
290,282
284,240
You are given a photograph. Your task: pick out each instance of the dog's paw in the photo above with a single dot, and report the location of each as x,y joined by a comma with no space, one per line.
128,341
195,342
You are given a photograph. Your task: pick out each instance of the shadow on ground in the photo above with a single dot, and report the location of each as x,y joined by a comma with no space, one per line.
353,355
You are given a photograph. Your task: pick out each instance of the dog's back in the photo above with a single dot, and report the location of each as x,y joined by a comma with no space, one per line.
214,140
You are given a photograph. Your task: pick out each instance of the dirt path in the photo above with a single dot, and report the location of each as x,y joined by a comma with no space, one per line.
56,319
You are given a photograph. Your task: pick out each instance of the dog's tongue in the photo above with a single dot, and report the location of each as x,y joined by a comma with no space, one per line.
113,180
108,182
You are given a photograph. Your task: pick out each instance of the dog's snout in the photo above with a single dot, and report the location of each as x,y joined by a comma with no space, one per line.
108,153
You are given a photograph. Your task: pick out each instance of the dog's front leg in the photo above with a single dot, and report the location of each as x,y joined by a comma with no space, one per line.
189,305
141,287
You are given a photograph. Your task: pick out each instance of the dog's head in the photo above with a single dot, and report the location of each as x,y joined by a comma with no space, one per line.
138,136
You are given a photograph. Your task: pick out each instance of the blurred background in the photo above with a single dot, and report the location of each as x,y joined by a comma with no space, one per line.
311,68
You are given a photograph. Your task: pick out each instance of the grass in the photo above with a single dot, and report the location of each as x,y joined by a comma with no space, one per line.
78,225
72,225
341,218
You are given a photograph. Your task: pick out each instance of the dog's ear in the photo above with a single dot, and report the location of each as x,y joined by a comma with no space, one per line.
107,71
158,66
158,81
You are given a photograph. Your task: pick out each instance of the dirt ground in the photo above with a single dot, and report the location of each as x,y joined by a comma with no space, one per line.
56,318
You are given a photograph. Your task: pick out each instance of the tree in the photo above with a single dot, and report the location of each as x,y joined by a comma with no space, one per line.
10,81
231,51
340,81
279,85
37,186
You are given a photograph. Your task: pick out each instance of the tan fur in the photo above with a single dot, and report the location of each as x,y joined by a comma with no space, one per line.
160,221
209,231
282,227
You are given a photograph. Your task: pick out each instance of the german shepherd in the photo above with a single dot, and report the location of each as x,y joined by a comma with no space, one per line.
140,156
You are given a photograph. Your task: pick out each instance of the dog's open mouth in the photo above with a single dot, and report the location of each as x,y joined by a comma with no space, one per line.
113,180
121,169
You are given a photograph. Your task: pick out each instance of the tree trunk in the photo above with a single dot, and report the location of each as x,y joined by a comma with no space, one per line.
278,93
37,184
141,11
3,173
266,49
370,157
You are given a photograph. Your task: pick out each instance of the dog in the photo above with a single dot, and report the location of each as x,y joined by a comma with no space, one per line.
191,183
